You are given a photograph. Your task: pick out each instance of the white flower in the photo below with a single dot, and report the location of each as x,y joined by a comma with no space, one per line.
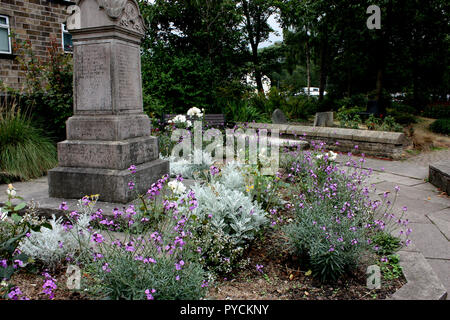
195,112
178,119
332,155
11,192
176,187
188,124
319,156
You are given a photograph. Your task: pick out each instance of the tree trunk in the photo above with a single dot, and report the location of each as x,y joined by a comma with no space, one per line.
253,37
323,66
379,84
308,65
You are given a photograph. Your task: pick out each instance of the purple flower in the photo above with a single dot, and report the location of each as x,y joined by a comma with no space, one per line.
106,267
97,256
129,247
63,206
149,260
49,285
15,293
179,265
213,170
132,168
149,294
97,237
259,268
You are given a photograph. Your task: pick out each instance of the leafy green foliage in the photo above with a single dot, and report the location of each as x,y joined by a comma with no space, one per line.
193,51
12,230
128,278
437,111
441,126
354,59
348,119
391,268
387,243
48,88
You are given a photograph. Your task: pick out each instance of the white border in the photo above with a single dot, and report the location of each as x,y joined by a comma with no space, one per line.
6,26
62,37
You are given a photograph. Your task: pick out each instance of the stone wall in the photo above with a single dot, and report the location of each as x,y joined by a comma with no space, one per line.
376,143
439,175
34,20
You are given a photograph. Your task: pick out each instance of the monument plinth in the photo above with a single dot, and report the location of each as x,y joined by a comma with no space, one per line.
109,130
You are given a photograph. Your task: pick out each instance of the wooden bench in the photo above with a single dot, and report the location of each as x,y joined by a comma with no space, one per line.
210,119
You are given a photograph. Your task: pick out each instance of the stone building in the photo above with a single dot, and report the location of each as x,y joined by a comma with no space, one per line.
35,20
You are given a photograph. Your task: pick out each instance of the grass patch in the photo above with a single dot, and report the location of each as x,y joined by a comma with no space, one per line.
25,152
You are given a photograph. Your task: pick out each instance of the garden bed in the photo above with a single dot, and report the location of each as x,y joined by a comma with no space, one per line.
285,277
307,232
282,278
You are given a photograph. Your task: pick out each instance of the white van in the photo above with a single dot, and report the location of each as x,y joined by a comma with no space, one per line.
313,91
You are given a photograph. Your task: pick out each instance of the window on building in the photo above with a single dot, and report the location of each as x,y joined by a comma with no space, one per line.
5,40
66,39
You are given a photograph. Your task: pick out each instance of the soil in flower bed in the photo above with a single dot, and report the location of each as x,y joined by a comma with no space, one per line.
31,286
284,277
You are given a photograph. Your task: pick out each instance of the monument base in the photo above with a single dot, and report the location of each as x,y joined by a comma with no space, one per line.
111,185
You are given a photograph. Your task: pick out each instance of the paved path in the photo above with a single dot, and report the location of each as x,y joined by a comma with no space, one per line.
428,210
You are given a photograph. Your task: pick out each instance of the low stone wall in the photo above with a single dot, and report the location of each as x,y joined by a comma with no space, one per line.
376,143
439,175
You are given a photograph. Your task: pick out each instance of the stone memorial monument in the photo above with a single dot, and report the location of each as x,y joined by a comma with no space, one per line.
109,131
278,117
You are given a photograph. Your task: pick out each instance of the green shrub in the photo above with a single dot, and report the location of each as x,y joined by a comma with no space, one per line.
25,153
389,124
244,111
441,126
48,88
437,111
349,118
122,276
335,220
387,243
404,108
402,114
295,107
163,258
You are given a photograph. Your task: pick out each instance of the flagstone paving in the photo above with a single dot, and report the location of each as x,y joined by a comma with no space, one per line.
428,209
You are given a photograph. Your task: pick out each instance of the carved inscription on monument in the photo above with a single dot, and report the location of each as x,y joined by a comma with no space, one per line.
92,77
128,71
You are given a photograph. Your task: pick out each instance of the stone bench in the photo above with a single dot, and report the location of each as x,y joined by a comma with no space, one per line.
376,143
439,175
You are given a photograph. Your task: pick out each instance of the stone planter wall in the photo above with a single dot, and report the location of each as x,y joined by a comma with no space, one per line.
375,143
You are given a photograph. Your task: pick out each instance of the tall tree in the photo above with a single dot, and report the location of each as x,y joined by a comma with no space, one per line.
192,49
257,29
